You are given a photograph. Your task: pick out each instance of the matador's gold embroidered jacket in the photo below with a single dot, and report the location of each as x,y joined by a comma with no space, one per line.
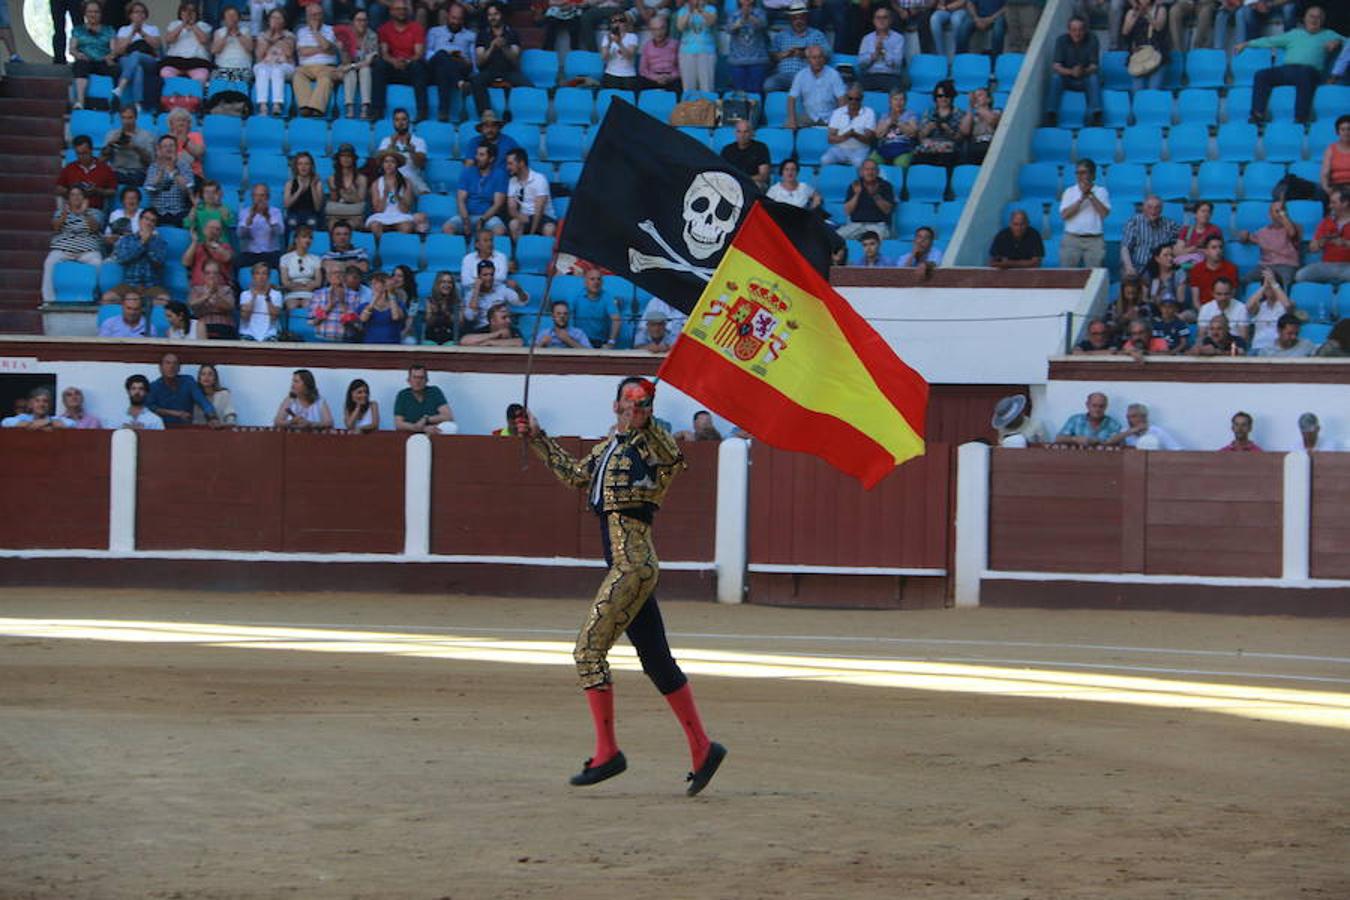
627,473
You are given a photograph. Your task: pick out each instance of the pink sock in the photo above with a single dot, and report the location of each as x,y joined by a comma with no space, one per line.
682,703
601,700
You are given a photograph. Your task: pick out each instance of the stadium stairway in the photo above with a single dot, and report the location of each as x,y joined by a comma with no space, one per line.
33,101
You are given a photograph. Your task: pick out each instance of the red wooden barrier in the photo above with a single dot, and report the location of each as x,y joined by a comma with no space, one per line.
1330,550
55,486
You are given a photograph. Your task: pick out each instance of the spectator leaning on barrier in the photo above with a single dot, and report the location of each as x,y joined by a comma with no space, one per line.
302,409
1287,342
360,414
1090,428
1219,340
39,416
656,337
208,379
1019,246
560,332
1084,206
922,253
1170,328
137,416
1332,239
1242,435
1099,340
497,331
173,396
1139,432
869,203
422,407
72,401
132,323
871,256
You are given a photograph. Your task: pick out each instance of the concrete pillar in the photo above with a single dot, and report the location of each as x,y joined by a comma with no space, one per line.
417,496
1297,514
733,504
972,522
122,491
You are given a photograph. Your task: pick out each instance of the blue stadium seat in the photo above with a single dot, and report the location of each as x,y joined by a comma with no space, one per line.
225,167
1051,144
440,138
1096,144
1218,181
1259,180
1206,68
176,279
1237,141
1115,74
1153,107
811,144
926,184
582,64
1331,101
963,180
1188,142
1072,110
310,135
322,243
915,215
775,108
948,214
438,208
1173,72
529,105
1171,180
443,174
533,253
569,173
366,241
657,104
1038,179
1281,107
444,251
177,240
1126,182
398,249
222,133
268,167
1116,219
1251,215
1307,169
1142,143
925,71
605,96
1307,213
1245,256
183,87
349,131
702,135
1198,105
1250,61
400,96
92,122
970,71
1316,332
109,276
527,136
566,143
100,87
1282,142
1006,68
573,106
560,205
833,182
1321,134
1317,300
264,134
1115,109
540,66
74,282
780,141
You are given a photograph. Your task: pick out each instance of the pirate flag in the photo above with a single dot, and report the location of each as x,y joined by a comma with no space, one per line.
657,207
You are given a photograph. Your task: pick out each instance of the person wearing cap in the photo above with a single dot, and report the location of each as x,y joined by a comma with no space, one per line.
481,196
402,44
656,337
1139,432
1310,433
1170,328
489,130
486,292
626,478
496,56
788,47
1287,343
1010,419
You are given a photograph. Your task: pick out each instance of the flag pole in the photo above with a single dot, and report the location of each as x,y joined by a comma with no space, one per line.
534,336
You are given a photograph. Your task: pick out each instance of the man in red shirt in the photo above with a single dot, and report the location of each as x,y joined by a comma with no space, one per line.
1213,268
95,176
402,42
1242,435
1332,237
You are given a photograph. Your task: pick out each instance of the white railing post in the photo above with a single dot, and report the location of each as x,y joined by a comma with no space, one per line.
733,502
1297,510
417,496
122,491
972,522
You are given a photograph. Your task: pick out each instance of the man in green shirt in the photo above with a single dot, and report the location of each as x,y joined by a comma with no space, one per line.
422,407
1306,52
207,207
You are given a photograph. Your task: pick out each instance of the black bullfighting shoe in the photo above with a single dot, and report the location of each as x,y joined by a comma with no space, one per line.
699,780
595,774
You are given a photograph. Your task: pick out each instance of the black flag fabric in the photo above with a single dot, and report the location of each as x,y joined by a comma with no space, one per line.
657,207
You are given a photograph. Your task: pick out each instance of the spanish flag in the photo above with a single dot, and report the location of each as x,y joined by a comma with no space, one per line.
773,348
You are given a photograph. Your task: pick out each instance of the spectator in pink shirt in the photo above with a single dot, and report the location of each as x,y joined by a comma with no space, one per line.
659,66
1242,435
1279,242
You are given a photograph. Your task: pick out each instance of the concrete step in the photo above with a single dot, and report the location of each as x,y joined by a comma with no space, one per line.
20,321
41,127
35,87
37,108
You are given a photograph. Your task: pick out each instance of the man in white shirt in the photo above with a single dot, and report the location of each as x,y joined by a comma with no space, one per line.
1139,433
413,148
881,54
317,48
483,250
1224,304
923,252
1084,207
529,203
815,92
657,308
853,129
137,415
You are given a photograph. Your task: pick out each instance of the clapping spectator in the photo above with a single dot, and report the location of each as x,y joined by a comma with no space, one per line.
187,46
1219,340
659,66
897,132
412,147
1084,206
1266,307
138,416
168,182
331,310
1332,240
39,416
274,51
1336,158
208,379
391,196
91,45
232,49
869,203
1018,246
748,52
561,332
347,190
441,310
141,256
360,414
852,129
92,175
881,54
132,323
978,125
1306,52
260,230
940,131
790,190
211,247
189,144
361,50
303,409
72,398
77,230
259,306
382,316
1091,428
303,193
174,397
618,51
696,25
422,407
136,46
1279,242
300,270
212,304
498,331
128,148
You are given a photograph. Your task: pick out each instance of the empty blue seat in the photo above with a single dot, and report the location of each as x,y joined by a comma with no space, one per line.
533,253
583,64
264,134
1245,256
94,123
1317,300
1153,107
1237,105
366,241
775,108
1143,143
1320,134
74,282
1251,215
1072,110
1038,179
605,96
1250,61
963,180
1115,73
1237,141
529,105
1115,220
833,182
915,215
970,71
925,71
1171,180
398,249
1331,101
268,168
569,173
443,174
110,275
1116,106
948,214
1096,144
1206,68
573,106
657,104
1281,107
224,167
438,208
349,131
1126,182
1188,142
183,87
1051,144
1282,142
444,251
780,141
702,135
1307,169
1316,332
1006,68
310,135
566,143
400,96
222,132
1307,213
926,184
177,239
540,66
1218,181
1198,105
811,143
1259,180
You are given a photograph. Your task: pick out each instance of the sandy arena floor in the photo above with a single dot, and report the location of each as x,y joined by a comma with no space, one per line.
388,746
